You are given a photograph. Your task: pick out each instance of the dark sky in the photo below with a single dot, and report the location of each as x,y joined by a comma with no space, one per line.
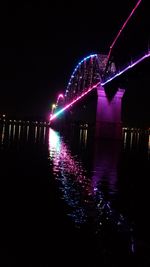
41,44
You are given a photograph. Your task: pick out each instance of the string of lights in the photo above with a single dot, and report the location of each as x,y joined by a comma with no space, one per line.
130,66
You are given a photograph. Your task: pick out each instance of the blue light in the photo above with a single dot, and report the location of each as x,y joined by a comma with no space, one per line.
78,65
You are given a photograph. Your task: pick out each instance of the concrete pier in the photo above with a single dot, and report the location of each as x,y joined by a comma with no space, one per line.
108,115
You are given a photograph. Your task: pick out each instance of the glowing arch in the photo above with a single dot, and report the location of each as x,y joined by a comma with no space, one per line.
89,71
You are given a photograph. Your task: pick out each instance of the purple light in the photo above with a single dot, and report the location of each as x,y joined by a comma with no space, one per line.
127,68
95,85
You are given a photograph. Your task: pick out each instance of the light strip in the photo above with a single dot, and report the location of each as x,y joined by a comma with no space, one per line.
123,26
74,101
95,85
127,68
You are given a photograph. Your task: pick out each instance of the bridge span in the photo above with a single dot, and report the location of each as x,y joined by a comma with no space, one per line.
85,98
95,108
93,72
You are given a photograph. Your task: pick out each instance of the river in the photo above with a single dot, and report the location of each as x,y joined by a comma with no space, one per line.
68,199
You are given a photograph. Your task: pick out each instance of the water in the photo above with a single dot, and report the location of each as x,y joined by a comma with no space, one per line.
66,199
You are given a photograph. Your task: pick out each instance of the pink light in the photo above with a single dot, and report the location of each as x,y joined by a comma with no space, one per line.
74,101
123,26
96,85
60,96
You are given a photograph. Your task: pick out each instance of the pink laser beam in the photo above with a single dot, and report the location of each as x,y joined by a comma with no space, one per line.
123,26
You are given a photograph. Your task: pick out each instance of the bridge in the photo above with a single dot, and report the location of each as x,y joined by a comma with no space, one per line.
85,97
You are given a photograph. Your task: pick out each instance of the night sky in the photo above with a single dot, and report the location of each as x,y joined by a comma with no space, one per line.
41,44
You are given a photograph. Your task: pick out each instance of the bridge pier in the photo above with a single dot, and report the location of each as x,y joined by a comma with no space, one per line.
108,115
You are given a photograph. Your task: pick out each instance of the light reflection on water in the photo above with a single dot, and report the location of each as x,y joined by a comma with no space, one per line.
68,170
90,195
89,190
87,195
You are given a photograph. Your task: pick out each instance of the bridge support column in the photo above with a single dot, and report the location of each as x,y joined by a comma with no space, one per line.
108,115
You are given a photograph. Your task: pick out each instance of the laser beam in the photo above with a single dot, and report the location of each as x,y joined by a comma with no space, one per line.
121,29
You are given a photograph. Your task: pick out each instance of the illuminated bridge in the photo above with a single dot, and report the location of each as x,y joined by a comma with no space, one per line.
85,98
